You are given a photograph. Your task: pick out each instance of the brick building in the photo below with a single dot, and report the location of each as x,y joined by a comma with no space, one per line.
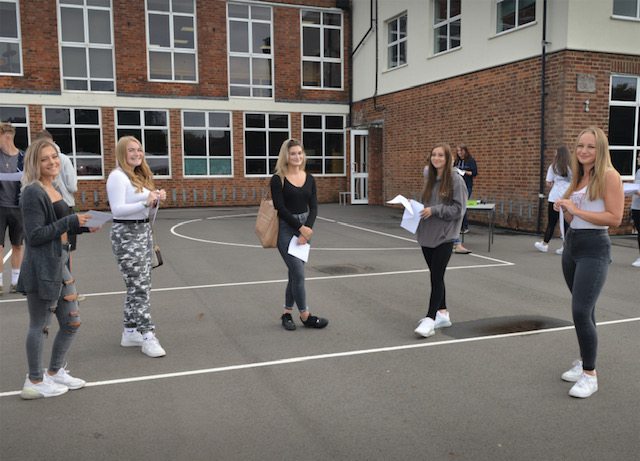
212,87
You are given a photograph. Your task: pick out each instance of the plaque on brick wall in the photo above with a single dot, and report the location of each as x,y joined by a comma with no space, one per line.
586,83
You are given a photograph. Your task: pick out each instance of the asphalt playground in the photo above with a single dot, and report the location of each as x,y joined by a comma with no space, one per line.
235,385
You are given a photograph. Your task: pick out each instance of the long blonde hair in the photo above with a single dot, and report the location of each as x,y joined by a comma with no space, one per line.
282,165
445,189
140,176
596,186
31,172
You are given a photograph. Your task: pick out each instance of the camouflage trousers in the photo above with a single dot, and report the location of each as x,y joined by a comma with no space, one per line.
132,245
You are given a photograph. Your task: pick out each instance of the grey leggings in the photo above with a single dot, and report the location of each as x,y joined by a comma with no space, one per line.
585,265
295,291
40,310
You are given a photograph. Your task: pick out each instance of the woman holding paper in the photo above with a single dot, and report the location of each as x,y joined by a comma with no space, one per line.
131,195
295,197
44,275
593,202
445,201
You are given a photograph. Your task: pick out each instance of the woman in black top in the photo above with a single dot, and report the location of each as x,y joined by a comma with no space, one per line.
295,198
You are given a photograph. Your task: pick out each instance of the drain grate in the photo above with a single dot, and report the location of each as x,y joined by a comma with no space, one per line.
343,269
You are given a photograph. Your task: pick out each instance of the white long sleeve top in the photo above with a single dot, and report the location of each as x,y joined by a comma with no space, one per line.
124,201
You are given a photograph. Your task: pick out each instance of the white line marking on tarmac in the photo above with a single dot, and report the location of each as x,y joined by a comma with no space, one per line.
309,358
7,256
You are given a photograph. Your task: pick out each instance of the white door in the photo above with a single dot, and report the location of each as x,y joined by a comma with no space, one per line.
359,167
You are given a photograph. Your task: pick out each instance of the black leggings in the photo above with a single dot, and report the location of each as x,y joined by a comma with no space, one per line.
635,214
437,259
553,217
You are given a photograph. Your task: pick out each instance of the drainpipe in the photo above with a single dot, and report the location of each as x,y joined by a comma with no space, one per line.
353,53
543,94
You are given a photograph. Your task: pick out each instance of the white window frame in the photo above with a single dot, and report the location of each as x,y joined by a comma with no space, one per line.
87,47
324,154
517,25
635,147
14,40
172,50
207,128
397,43
323,60
267,129
632,18
73,155
446,22
143,127
251,54
19,125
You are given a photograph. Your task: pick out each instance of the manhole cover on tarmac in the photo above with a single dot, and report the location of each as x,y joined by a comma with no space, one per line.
343,269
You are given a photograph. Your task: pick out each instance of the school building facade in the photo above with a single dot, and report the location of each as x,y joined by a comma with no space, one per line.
212,88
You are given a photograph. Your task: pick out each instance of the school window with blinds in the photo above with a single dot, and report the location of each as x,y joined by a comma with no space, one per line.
624,123
207,144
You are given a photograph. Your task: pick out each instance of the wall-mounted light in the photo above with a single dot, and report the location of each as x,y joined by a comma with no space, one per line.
586,106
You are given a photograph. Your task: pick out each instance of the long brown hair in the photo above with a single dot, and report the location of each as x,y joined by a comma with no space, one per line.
140,176
562,162
445,189
596,186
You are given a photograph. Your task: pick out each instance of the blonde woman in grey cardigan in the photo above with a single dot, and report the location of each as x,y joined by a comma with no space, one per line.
44,275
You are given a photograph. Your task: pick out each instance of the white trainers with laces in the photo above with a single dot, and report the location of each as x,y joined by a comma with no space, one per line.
442,320
151,347
585,386
636,263
541,247
45,388
559,250
63,377
426,327
132,340
574,374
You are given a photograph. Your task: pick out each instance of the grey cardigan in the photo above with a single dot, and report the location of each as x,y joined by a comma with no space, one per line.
446,218
41,269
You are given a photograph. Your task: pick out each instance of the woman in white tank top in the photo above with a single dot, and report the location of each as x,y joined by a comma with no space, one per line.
593,202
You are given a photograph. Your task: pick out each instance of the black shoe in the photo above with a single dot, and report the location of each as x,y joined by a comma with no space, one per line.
287,322
464,230
315,322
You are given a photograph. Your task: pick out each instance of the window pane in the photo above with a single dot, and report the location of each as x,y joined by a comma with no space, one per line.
527,12
100,63
332,75
155,118
8,20
218,119
310,17
185,66
332,19
278,121
261,13
314,165
160,5
62,136
159,165
275,141
239,36
193,166
311,42
194,119
10,58
220,143
86,117
506,15
261,71
392,34
13,114
74,62
455,8
334,144
159,30
238,11
104,3
239,70
312,121
623,161
625,8
312,142
255,143
194,142
255,166
454,31
182,6
240,91
57,116
99,27
255,121
311,73
160,65
72,25
332,43
88,141
623,88
73,85
335,122
621,125
334,166
261,38
128,117
88,166
156,142
183,32
135,132
440,11
220,166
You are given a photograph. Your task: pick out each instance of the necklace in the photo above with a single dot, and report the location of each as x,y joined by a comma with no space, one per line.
4,157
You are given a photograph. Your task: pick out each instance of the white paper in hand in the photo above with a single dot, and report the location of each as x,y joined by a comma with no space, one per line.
299,251
411,216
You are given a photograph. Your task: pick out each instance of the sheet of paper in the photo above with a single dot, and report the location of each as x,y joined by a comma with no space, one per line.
411,216
299,251
98,218
459,171
11,176
630,188
561,223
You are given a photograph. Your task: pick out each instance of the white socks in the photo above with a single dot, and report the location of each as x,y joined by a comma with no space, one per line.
15,273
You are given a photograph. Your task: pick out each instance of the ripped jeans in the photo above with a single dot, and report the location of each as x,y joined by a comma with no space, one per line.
65,309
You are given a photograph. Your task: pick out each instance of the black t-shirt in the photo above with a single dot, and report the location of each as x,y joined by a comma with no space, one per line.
290,200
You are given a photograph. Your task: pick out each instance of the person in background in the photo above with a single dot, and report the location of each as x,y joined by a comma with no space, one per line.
445,200
132,194
11,161
593,202
45,276
635,210
295,197
558,179
468,166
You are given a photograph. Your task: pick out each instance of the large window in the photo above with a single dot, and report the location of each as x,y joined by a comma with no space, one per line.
250,51
86,45
627,8
151,128
10,54
624,123
397,42
263,136
206,143
78,132
171,38
321,49
446,25
17,116
512,14
324,144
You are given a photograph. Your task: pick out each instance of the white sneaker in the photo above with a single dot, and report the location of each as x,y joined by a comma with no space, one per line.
585,386
541,247
152,347
560,250
63,377
636,263
442,320
574,374
45,388
132,340
426,327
